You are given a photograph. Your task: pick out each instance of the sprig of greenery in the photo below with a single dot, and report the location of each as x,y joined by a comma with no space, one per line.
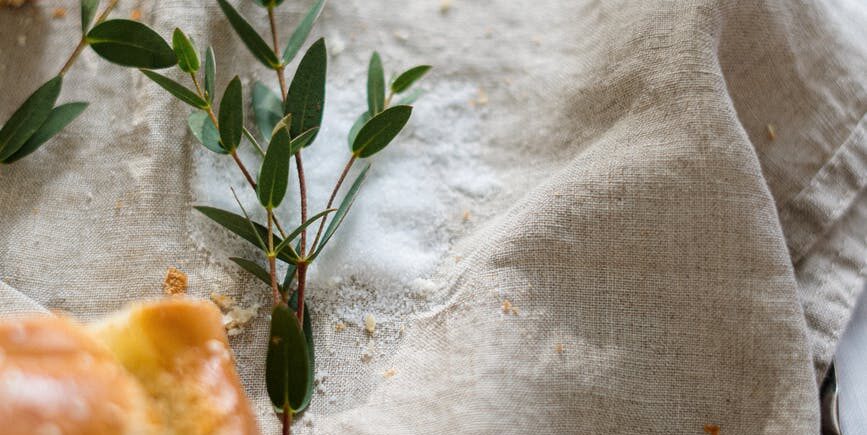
287,122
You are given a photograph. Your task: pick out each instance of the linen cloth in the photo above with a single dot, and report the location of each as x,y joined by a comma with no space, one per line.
673,265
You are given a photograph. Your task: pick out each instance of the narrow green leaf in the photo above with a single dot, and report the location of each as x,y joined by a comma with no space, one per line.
257,46
305,99
302,31
267,109
338,217
290,272
130,43
380,131
59,118
408,77
254,269
356,127
29,117
283,123
176,89
274,174
240,226
375,85
308,338
188,59
410,97
205,131
287,364
231,115
88,11
297,231
210,74
302,140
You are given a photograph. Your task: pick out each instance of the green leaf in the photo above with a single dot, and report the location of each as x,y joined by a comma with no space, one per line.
88,11
297,231
205,131
249,37
305,99
130,43
267,109
287,364
176,89
302,32
375,85
210,74
241,227
188,59
380,131
254,269
274,174
302,140
410,97
59,118
283,123
268,3
231,116
407,78
29,117
338,217
356,127
308,338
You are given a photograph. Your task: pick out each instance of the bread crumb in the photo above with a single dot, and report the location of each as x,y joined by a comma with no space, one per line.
175,282
135,14
223,301
389,373
445,6
466,217
13,3
22,40
369,323
559,348
58,13
340,326
482,99
712,429
508,308
772,132
238,317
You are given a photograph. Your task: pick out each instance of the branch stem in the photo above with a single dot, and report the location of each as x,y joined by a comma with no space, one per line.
332,197
272,264
280,70
287,420
83,42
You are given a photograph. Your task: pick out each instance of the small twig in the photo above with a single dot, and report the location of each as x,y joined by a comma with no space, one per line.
331,199
83,42
302,279
272,264
275,39
287,420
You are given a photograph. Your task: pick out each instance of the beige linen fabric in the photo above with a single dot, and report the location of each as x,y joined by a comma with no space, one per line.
671,264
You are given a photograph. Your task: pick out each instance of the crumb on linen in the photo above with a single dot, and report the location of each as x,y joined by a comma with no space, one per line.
772,132
223,301
135,14
22,40
711,429
466,216
13,3
445,6
234,317
58,13
389,373
340,326
369,323
559,348
508,308
175,282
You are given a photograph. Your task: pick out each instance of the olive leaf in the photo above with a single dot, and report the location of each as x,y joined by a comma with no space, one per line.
257,46
308,338
302,140
356,127
305,99
287,363
375,85
57,120
29,117
188,59
176,89
380,131
302,31
205,131
410,97
130,43
338,217
231,116
241,227
274,174
210,74
254,269
267,109
408,77
297,231
88,11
